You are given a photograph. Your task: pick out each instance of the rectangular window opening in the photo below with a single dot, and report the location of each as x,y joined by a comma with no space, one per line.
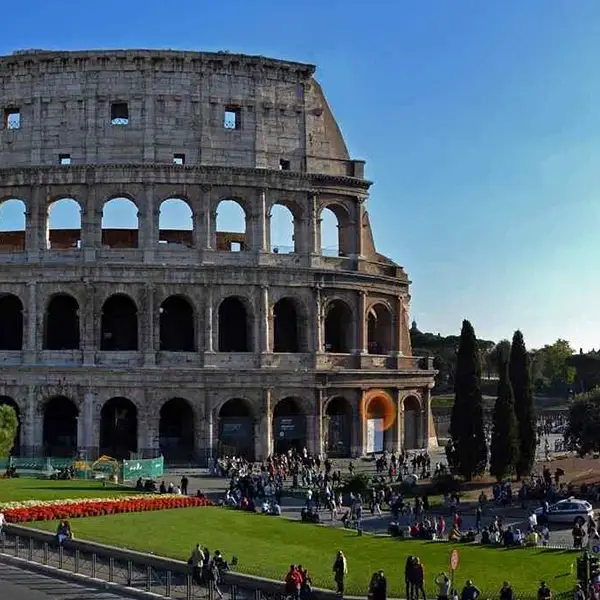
284,165
119,113
12,118
232,118
235,247
64,159
179,159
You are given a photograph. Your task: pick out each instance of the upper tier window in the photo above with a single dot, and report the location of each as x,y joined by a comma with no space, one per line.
119,113
12,118
232,118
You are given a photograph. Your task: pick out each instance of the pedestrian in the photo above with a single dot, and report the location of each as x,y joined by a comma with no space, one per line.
184,485
443,582
506,592
471,591
340,571
544,592
378,586
408,578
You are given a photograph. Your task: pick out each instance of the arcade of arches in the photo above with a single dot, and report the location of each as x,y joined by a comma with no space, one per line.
350,424
287,326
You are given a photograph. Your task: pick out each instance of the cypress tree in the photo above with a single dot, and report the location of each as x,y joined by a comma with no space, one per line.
504,452
521,380
469,456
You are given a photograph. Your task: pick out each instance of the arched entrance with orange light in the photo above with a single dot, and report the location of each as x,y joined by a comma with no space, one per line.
379,413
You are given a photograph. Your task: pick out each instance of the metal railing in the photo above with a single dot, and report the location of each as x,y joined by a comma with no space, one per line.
164,577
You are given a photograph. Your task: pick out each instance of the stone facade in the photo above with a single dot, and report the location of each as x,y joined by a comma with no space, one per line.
139,341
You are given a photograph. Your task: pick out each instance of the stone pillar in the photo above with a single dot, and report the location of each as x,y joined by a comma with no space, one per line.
397,337
363,330
263,440
320,424
148,220
148,436
318,321
359,228
29,442
88,324
399,424
208,321
207,220
261,222
213,421
32,223
425,417
359,423
147,322
314,223
85,427
264,317
30,341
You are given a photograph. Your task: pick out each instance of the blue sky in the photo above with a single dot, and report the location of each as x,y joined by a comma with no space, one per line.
479,121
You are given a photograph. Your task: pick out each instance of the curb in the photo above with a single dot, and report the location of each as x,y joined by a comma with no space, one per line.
78,578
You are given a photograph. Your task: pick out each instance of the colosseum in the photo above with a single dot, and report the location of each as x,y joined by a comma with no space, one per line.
127,332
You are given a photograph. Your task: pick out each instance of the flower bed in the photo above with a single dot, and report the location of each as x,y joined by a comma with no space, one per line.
93,507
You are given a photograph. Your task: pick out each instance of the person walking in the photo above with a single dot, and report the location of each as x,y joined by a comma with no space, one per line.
340,571
506,592
378,586
470,591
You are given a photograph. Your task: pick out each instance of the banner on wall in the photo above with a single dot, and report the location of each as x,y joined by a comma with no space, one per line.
290,428
374,435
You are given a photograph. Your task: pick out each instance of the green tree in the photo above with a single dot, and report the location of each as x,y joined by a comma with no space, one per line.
504,451
9,424
522,385
553,368
583,429
469,449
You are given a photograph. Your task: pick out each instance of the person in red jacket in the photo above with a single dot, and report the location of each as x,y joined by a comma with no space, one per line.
293,582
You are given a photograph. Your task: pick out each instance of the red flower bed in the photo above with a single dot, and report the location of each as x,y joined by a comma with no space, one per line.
96,509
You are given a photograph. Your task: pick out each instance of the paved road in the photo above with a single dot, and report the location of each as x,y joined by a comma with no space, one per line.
19,584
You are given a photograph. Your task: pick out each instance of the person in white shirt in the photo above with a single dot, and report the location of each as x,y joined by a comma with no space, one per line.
2,521
532,520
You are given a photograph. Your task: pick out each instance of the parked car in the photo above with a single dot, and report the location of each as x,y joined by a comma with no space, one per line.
571,510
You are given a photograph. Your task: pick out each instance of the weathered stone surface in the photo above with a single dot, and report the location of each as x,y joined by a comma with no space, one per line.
286,149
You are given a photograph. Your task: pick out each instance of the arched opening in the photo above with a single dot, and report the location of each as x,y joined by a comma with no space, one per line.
236,429
230,227
8,401
339,327
120,224
289,426
13,223
62,323
282,230
285,326
234,334
63,224
60,427
118,428
176,430
339,428
380,417
334,233
177,325
176,223
119,326
11,322
412,413
379,329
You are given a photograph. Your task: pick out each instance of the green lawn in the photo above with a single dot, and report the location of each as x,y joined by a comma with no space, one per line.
12,490
267,545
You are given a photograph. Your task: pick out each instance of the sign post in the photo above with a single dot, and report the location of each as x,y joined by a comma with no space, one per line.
454,562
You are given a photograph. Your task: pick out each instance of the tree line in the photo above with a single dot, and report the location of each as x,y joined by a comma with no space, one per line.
556,370
513,442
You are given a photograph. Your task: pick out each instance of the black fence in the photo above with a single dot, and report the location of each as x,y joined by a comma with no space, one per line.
146,573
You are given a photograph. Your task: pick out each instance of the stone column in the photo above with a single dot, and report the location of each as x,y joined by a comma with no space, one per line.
397,337
320,425
425,417
208,321
29,442
146,336
85,426
263,440
148,436
360,209
359,422
30,338
314,224
32,223
264,330
87,324
363,330
207,220
399,425
318,321
261,222
148,222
